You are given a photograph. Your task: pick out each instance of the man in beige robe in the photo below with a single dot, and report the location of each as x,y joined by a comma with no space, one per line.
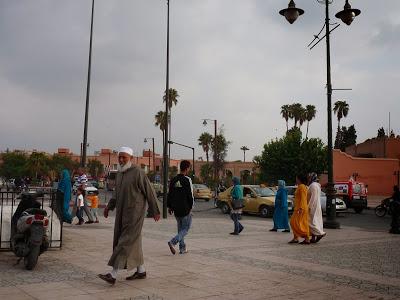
316,222
132,191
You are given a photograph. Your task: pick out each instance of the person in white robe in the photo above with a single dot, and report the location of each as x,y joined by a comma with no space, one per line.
316,222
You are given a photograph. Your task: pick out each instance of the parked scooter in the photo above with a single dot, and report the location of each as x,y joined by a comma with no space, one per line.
382,209
29,230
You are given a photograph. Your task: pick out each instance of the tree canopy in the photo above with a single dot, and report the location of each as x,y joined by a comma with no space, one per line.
291,155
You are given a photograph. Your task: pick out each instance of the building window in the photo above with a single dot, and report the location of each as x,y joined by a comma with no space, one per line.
157,168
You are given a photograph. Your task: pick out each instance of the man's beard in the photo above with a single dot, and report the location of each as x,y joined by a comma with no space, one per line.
124,167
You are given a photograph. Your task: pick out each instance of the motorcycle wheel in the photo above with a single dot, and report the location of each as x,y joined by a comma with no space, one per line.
31,259
380,211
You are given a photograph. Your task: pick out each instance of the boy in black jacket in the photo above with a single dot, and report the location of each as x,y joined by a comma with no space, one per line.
180,202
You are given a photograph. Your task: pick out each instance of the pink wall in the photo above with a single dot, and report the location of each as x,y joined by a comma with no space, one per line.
377,173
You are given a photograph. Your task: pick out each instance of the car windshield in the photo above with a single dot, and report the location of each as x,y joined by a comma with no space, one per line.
291,190
200,186
264,192
357,188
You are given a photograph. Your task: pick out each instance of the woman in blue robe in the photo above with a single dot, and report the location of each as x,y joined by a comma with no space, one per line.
281,218
64,197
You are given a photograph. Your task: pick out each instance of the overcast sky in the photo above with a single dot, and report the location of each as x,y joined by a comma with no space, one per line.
237,61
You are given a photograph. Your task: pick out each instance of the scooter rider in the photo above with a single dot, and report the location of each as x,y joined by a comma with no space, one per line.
395,209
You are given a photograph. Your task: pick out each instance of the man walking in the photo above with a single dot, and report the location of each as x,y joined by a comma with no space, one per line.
316,222
180,202
132,191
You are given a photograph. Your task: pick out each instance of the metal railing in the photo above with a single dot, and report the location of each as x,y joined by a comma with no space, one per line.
8,204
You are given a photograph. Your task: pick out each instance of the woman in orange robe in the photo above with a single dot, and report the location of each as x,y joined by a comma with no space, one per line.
299,219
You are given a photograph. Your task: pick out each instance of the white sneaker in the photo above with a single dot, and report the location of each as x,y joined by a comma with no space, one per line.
75,220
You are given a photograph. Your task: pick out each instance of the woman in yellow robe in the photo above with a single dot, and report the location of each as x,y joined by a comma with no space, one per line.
299,219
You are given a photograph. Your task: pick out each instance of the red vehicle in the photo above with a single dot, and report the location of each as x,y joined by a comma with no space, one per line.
353,193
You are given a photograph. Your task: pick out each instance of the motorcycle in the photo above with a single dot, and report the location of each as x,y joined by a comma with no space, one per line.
29,230
382,209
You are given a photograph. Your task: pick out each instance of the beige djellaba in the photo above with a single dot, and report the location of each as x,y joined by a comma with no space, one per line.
132,191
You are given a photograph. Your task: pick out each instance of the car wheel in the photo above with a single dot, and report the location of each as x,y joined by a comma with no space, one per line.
358,210
265,211
225,208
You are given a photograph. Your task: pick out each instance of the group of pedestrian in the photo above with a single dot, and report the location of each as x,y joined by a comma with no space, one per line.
82,203
306,221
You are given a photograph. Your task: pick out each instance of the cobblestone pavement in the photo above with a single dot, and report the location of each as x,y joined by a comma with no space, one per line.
359,261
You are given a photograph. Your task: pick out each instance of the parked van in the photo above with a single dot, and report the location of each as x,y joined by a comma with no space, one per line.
353,193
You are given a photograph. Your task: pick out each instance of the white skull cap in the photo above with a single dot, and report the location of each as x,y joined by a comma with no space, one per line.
126,150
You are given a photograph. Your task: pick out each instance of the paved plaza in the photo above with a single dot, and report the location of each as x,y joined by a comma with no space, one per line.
359,261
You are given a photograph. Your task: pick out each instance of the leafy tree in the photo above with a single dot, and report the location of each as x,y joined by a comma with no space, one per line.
205,141
206,173
95,168
14,165
381,133
284,158
38,165
219,148
309,115
345,137
350,136
244,149
60,162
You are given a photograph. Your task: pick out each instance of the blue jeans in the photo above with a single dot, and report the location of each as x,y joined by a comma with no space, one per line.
237,226
184,224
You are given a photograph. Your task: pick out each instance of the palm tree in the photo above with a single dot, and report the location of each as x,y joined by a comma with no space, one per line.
244,149
341,109
172,100
160,122
310,114
297,112
286,114
205,141
302,116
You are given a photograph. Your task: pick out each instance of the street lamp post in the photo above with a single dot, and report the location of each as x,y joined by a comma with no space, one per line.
347,16
171,142
154,158
84,150
165,146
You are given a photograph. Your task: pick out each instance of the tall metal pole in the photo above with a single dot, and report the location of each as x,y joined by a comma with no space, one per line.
194,172
165,150
84,146
215,155
330,191
154,159
149,160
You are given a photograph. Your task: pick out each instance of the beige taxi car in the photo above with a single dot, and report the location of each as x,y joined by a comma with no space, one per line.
257,200
201,191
